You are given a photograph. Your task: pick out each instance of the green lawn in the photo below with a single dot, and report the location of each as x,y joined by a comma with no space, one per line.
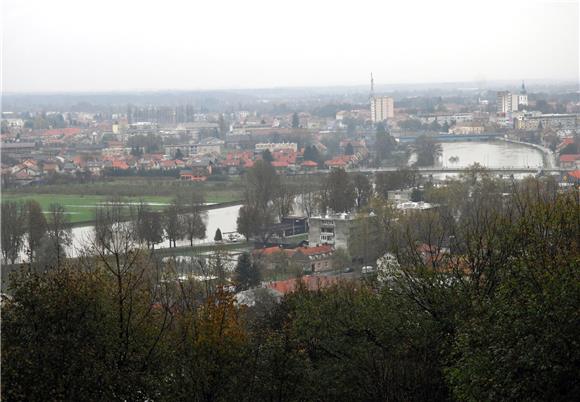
81,208
80,200
136,188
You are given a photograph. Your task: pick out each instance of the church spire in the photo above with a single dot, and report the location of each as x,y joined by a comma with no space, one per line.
523,91
372,94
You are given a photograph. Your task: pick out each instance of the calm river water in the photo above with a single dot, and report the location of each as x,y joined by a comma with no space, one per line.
489,154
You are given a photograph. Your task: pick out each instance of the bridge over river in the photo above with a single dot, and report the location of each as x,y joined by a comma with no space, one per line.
407,139
504,170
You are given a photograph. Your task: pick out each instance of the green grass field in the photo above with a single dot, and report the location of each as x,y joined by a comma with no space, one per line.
81,208
80,200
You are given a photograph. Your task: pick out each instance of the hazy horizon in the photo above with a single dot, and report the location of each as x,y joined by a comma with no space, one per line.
106,46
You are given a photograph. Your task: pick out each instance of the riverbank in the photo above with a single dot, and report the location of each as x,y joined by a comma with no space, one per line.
81,208
548,157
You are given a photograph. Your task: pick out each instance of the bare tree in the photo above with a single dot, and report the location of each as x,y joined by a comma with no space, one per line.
12,218
173,222
58,232
193,225
35,226
149,227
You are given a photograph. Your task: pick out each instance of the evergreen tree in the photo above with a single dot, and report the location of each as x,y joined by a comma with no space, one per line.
349,150
267,156
295,120
218,235
247,274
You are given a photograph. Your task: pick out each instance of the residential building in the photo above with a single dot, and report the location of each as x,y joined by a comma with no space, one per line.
530,122
276,146
330,229
570,161
442,118
382,108
310,259
466,129
505,102
207,146
508,102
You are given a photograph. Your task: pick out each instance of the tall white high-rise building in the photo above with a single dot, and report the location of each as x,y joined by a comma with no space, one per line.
505,102
508,102
382,108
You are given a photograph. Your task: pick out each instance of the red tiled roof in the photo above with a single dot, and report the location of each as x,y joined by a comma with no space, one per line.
267,251
167,163
309,164
322,249
61,131
120,165
575,174
569,158
311,282
566,141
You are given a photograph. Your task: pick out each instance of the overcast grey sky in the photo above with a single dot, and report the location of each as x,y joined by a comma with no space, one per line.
75,45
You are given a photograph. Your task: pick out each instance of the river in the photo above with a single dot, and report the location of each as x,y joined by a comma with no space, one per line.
488,154
223,218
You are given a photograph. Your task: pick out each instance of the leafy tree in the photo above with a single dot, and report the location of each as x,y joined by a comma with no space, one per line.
223,126
211,352
149,226
12,230
530,321
173,222
283,202
338,194
365,344
35,227
295,120
136,151
193,224
435,126
349,150
397,180
59,235
363,190
410,125
365,241
257,214
253,222
311,154
341,259
351,126
416,195
381,129
385,144
247,274
178,154
427,150
65,337
267,156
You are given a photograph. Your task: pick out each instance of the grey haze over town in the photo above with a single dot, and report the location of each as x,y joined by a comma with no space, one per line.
290,201
69,46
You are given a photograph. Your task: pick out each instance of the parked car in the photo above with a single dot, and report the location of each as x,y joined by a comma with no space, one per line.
367,269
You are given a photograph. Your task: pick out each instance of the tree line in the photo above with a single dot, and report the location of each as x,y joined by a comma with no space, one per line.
476,300
41,237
